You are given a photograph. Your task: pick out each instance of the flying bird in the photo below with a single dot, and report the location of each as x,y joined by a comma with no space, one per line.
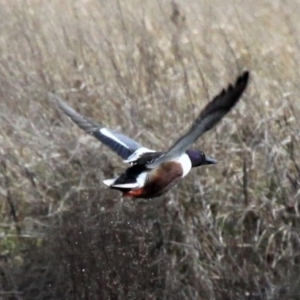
151,173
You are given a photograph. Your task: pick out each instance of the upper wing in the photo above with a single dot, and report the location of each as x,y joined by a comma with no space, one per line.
207,119
119,143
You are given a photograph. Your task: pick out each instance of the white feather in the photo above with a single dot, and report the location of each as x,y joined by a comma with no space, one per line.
137,154
127,185
109,182
140,182
141,179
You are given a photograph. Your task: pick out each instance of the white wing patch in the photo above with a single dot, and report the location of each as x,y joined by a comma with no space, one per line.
137,154
107,133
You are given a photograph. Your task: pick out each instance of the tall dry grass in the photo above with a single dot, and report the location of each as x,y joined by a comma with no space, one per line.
147,68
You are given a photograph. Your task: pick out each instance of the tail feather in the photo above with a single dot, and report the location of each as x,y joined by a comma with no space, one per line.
120,186
126,185
109,182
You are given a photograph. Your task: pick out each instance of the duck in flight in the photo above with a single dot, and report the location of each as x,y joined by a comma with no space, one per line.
151,173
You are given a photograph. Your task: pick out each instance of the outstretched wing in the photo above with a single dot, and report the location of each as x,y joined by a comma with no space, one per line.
119,143
207,119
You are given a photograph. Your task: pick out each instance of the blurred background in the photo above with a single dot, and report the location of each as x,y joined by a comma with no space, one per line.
146,68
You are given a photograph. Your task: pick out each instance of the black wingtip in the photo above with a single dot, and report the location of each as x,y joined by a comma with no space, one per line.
243,77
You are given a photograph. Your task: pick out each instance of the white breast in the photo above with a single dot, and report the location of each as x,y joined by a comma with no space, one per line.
186,164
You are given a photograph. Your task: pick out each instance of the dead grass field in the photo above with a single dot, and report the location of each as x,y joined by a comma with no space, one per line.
229,231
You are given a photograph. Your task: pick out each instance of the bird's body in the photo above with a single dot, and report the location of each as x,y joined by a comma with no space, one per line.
140,181
152,173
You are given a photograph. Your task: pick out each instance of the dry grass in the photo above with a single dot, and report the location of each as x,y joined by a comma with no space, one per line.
146,68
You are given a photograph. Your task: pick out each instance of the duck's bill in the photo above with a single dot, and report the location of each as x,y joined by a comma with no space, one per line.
210,161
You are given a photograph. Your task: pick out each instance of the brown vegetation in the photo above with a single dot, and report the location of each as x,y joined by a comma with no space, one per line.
229,231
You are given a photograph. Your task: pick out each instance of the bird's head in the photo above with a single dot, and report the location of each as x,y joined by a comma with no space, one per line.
198,158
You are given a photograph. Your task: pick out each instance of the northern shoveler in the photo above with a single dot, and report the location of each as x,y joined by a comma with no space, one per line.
152,173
